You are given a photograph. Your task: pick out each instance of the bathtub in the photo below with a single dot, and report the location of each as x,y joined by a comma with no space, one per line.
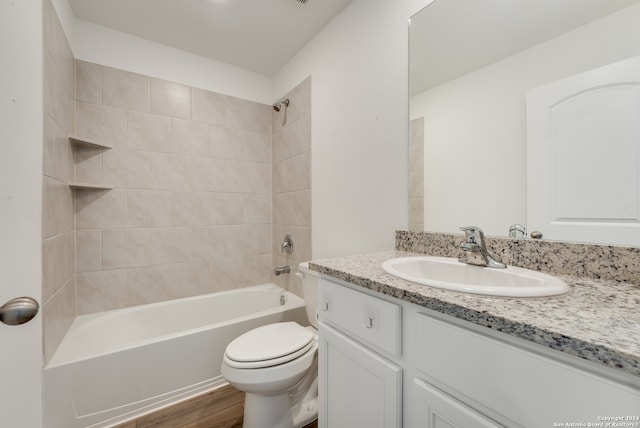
117,365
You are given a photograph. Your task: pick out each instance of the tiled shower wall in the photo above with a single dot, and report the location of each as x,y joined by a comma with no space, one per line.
292,183
416,174
191,209
58,252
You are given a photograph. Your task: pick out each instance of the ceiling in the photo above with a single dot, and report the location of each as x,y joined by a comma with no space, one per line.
258,35
445,43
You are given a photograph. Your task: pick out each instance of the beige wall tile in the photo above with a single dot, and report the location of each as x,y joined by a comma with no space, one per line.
226,208
88,251
256,208
209,107
101,291
226,143
209,174
299,106
128,169
261,233
257,269
169,281
189,137
101,209
227,273
56,45
101,123
302,208
125,90
58,264
149,208
58,314
149,132
58,95
58,159
125,248
170,99
210,243
88,82
416,184
248,115
297,172
170,245
88,164
171,172
292,183
191,208
249,177
256,146
57,208
58,246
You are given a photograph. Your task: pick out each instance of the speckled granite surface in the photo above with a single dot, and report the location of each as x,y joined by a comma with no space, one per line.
607,262
598,320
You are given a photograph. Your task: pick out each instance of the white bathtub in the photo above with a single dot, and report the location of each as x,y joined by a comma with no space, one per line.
117,365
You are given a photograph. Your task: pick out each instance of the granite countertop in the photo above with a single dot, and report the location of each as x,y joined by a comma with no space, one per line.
597,320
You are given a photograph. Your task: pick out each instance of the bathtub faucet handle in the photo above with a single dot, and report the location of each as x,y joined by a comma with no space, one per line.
287,244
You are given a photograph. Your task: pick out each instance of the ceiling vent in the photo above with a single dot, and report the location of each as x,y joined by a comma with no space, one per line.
302,1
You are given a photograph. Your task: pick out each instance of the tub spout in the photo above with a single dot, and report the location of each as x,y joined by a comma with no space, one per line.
283,269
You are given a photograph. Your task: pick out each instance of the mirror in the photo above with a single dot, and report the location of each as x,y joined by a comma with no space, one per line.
471,64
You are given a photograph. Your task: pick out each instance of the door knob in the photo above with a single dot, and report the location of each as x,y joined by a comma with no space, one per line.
18,311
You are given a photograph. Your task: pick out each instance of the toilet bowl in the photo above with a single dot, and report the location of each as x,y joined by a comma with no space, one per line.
276,366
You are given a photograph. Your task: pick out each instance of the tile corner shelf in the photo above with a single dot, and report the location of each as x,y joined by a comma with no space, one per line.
86,142
89,186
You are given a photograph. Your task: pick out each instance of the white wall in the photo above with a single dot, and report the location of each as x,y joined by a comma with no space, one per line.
359,131
475,126
101,45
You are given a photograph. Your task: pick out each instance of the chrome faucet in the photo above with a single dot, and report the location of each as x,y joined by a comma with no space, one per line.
287,244
475,249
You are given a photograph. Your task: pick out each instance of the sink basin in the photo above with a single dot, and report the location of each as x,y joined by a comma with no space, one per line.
450,274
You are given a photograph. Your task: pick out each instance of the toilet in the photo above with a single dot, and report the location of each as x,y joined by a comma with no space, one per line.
276,366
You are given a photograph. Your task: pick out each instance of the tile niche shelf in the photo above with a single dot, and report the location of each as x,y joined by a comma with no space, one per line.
87,143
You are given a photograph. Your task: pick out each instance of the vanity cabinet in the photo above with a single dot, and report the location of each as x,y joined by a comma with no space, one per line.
389,363
358,386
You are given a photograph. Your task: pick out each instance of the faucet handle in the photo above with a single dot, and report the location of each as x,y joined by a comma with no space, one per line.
473,234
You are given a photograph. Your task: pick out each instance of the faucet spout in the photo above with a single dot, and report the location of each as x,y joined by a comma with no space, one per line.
475,249
280,270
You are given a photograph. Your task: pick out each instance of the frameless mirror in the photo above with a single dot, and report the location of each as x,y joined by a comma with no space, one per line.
471,65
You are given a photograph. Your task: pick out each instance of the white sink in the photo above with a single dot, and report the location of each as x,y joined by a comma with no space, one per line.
450,274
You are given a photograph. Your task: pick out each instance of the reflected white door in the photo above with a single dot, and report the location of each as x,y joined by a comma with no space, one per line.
583,156
20,208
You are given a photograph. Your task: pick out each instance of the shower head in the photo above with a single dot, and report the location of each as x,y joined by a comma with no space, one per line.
284,103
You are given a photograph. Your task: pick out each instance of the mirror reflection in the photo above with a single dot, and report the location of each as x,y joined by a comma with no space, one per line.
471,65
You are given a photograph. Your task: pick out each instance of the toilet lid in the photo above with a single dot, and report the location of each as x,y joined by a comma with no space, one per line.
269,342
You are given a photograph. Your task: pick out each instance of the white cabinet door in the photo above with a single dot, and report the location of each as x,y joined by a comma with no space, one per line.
435,409
358,388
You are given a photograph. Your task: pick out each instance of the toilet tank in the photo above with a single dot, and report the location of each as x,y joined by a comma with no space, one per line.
309,280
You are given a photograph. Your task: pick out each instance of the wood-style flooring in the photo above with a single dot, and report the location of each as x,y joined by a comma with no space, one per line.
220,408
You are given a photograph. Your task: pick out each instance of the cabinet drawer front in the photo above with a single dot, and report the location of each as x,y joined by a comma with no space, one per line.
526,388
371,320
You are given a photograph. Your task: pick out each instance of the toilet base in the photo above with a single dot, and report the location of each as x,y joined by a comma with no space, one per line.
276,411
272,411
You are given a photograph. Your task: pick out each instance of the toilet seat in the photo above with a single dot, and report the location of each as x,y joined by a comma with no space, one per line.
269,345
